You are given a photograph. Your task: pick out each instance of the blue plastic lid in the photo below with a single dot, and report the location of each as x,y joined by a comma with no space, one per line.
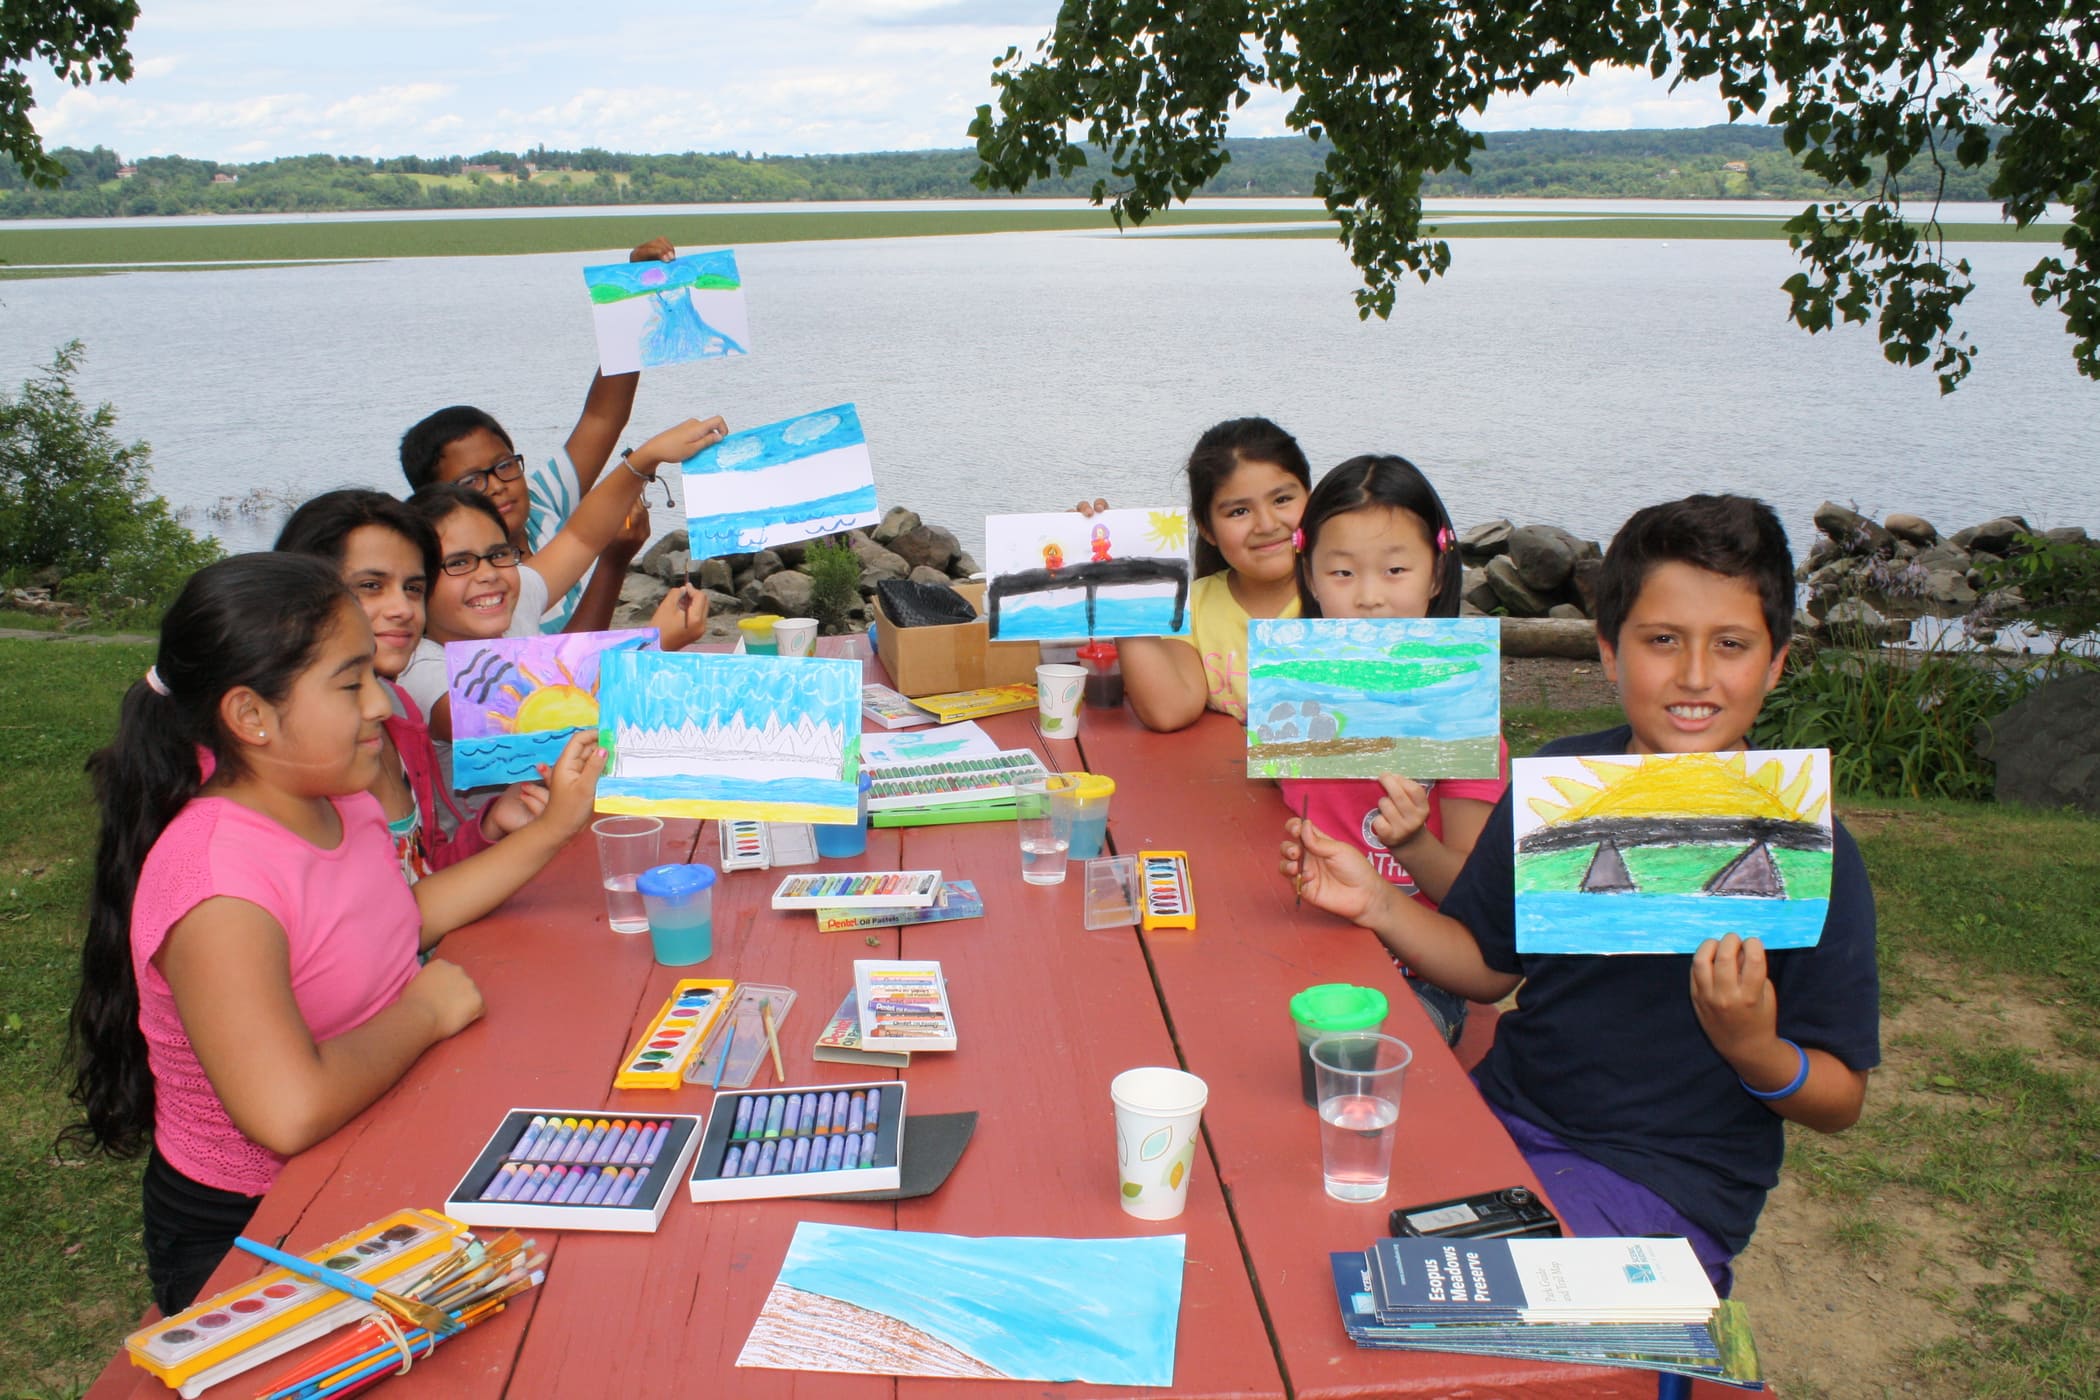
675,884
866,782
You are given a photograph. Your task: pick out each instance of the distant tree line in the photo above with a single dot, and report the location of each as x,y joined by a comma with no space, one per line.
1715,162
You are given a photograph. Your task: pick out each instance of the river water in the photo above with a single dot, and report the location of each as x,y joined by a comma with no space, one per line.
1566,381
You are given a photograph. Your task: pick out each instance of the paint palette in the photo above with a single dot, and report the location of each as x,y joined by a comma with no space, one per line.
943,782
660,1057
756,845
860,889
1112,899
1170,897
817,1140
748,1050
277,1311
571,1169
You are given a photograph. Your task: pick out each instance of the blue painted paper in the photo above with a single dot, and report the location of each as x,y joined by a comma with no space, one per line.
1028,1308
516,700
797,479
649,314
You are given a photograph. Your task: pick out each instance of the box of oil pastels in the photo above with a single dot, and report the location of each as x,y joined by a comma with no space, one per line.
818,1140
565,1169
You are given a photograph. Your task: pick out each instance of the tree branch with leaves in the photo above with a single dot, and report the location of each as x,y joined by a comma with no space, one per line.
1862,90
83,41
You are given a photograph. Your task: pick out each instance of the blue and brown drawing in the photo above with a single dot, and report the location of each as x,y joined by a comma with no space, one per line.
1118,573
649,314
792,480
766,738
1656,853
1357,697
516,700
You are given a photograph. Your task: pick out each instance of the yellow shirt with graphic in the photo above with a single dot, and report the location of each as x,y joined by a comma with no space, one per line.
1218,631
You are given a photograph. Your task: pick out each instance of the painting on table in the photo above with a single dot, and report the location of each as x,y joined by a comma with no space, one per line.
516,700
768,738
1357,697
1656,853
905,1303
792,480
1116,573
648,314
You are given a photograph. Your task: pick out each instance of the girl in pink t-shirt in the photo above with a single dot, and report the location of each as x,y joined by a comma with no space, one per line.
1376,541
249,980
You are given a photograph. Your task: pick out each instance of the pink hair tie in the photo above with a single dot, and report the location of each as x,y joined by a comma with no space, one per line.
1445,539
1298,541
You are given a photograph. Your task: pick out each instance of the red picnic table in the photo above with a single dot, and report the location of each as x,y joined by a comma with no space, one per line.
1047,1012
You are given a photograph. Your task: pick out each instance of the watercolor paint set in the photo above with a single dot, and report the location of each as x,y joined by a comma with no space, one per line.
659,1059
946,782
278,1311
1170,895
817,1140
860,889
576,1169
738,1042
756,845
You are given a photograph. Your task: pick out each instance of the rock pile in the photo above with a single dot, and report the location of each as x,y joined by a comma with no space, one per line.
1528,571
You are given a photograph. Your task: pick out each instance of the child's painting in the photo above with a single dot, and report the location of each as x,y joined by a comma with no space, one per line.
516,700
769,738
950,741
902,1303
1356,697
1117,573
1656,853
792,480
665,313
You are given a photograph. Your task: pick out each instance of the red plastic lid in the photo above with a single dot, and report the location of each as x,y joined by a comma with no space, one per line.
1098,651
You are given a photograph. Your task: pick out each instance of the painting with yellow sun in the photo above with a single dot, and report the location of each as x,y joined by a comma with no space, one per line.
516,700
1656,853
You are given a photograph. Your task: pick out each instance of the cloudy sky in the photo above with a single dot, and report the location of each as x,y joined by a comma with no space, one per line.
245,80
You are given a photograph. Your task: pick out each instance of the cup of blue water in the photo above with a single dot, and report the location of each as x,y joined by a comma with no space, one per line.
846,838
681,904
1089,813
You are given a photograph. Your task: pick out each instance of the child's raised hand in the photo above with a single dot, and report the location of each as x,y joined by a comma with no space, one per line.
444,990
681,618
655,250
678,443
1330,874
1402,813
1733,997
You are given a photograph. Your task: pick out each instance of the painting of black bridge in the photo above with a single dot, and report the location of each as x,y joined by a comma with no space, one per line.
1093,577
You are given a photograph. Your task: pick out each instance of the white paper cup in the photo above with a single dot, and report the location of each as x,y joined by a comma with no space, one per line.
1057,692
1158,1112
796,636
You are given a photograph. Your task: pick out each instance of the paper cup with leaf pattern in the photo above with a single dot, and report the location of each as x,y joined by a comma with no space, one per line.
1157,1114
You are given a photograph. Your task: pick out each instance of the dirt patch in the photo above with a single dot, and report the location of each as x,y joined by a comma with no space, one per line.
1555,683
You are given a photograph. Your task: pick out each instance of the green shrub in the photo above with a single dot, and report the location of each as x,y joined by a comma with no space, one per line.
2054,584
834,577
76,501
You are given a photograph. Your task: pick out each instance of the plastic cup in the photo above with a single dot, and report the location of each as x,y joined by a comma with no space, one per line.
1057,692
1090,814
1358,1076
1157,1114
626,847
1325,1010
681,902
847,839
758,634
1104,674
1043,811
796,636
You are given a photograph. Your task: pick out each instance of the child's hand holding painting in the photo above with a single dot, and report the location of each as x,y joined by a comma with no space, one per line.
572,783
1403,811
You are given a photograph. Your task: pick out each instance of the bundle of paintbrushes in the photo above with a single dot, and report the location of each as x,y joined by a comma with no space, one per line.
466,1287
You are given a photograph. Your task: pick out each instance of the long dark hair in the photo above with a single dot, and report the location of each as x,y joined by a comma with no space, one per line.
1373,480
1223,450
323,526
254,620
434,504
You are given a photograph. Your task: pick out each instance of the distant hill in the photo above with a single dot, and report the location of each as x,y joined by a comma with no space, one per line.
1715,162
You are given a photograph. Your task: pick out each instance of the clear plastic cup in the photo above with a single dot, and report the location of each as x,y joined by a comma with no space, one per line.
680,900
758,634
1043,812
626,847
1358,1075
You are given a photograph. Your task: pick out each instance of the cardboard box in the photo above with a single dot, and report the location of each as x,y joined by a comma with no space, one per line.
958,656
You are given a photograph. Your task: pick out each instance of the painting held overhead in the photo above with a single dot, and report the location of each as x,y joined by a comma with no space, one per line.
516,700
1059,574
767,738
648,314
788,481
1357,697
1656,853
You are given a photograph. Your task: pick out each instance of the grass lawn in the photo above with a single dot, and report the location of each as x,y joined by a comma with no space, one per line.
1962,1214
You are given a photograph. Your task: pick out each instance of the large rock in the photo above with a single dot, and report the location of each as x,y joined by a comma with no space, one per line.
1853,622
764,565
1946,588
877,563
1544,555
2067,534
786,592
1584,581
1942,556
1853,532
1477,593
672,567
1914,528
895,523
927,546
792,553
1996,536
652,558
964,566
932,578
717,576
1484,542
639,595
2047,747
1519,598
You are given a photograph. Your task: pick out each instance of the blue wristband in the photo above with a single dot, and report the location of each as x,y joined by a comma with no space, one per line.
1794,1087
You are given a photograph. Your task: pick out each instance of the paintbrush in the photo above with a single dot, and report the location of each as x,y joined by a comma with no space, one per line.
1298,885
765,1017
722,1060
407,1309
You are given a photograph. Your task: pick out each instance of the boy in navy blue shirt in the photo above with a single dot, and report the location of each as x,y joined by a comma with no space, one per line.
1648,1091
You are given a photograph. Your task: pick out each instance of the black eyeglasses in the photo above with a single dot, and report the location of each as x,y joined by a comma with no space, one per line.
503,469
503,556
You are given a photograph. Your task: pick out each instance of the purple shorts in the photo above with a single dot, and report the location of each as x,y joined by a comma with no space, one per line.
1592,1199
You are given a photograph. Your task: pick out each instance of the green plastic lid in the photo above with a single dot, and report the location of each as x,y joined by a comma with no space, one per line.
1338,1006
